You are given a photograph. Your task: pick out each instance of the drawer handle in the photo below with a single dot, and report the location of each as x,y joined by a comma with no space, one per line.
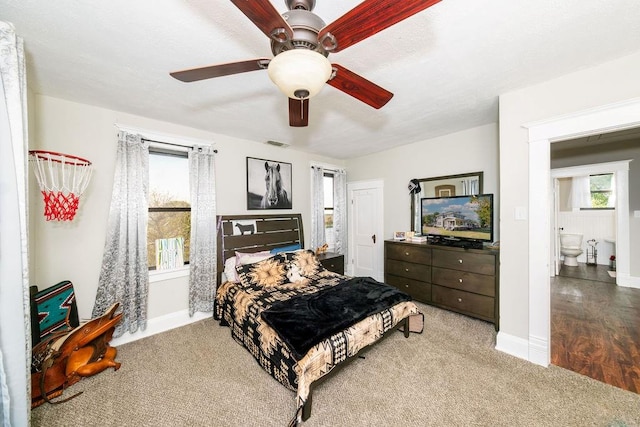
459,299
406,269
460,280
334,266
406,286
460,261
406,253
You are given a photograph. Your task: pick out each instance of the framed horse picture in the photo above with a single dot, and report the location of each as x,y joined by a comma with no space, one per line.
268,184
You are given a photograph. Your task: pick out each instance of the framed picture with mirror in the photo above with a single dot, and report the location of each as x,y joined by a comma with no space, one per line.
445,186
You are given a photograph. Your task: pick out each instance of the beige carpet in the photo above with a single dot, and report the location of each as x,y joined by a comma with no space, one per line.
448,376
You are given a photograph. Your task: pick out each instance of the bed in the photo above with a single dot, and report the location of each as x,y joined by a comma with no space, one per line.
280,304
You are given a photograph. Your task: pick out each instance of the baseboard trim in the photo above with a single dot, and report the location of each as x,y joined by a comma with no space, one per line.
534,350
538,351
161,324
628,281
510,344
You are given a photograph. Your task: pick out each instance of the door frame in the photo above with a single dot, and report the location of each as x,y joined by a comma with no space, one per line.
375,184
607,118
555,232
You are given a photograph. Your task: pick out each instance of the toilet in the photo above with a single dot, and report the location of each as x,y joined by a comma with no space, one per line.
571,248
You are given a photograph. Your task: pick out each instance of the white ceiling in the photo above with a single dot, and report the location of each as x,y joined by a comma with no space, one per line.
446,65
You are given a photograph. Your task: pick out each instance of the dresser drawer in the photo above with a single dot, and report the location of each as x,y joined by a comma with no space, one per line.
410,253
471,282
333,263
420,291
408,269
464,302
466,261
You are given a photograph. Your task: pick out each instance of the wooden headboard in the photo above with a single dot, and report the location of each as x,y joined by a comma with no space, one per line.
270,231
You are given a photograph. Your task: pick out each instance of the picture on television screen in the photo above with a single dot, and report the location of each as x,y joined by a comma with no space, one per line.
464,217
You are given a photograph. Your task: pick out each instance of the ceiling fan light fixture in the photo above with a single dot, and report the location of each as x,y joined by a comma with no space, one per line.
300,73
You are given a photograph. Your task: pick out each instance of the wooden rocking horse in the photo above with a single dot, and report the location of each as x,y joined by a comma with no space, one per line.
65,358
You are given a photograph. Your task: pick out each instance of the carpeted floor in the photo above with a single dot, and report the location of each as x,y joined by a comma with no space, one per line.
448,376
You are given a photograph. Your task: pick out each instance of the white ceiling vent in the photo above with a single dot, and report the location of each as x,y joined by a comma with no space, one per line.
278,144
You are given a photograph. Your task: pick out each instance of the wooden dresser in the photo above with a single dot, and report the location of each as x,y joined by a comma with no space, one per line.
462,280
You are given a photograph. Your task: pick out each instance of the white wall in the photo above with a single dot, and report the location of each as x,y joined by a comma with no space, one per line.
472,150
607,83
73,250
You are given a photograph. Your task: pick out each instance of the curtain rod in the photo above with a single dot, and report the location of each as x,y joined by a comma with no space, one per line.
327,169
170,143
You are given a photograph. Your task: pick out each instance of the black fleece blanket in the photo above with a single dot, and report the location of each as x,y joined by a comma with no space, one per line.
305,320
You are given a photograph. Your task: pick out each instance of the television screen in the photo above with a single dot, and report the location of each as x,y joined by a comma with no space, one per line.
463,217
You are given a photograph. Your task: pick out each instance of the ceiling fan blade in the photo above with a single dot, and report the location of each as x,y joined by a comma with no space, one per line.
202,73
298,112
359,87
367,19
266,18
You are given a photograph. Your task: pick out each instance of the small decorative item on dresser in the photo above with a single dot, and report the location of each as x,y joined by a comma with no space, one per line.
399,235
612,262
322,249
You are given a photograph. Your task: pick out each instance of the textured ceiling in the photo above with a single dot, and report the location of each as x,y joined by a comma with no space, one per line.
446,66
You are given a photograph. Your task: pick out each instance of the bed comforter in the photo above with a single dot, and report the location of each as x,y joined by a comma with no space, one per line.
262,285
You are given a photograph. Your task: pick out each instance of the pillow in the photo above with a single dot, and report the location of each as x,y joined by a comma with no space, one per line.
268,273
243,258
230,269
306,261
289,248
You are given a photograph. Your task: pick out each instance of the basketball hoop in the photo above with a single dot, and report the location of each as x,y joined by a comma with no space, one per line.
62,179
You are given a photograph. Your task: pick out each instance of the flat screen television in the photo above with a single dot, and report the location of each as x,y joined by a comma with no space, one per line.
465,221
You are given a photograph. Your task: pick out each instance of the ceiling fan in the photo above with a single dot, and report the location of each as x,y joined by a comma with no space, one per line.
301,42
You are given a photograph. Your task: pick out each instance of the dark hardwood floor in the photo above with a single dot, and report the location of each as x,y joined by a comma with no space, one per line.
595,326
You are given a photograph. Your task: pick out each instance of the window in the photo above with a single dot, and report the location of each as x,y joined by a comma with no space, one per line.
328,209
601,187
169,220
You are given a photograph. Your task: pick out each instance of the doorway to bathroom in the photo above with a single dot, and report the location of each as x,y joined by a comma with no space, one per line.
581,126
592,320
596,230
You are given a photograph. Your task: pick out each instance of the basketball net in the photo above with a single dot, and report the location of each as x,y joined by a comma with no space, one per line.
62,179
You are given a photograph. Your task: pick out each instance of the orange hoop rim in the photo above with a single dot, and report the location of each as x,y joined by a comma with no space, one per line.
40,155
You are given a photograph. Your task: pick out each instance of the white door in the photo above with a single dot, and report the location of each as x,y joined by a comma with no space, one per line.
366,249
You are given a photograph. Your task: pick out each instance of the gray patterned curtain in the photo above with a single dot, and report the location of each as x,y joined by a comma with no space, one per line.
340,211
15,342
318,238
124,276
202,255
